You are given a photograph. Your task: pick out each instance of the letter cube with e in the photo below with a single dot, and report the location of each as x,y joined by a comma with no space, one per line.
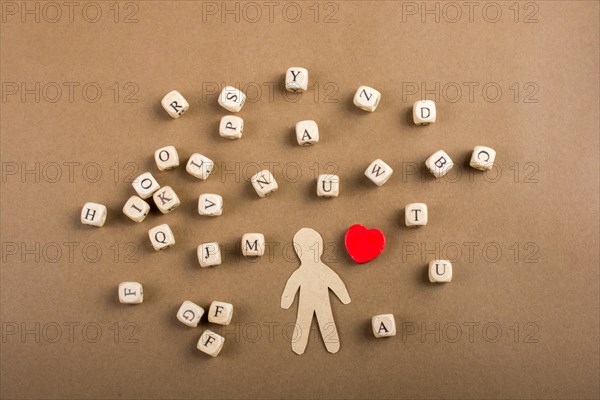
199,166
415,214
93,214
264,183
145,185
161,237
166,158
367,98
232,99
307,132
439,163
210,343
231,127
131,293
220,313
383,325
379,172
175,104
190,313
483,158
210,204
424,112
166,199
328,185
253,244
440,271
296,79
136,209
209,254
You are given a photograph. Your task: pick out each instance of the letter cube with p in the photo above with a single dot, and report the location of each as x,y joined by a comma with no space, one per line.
220,313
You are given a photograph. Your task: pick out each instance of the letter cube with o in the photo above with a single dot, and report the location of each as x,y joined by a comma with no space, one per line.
175,104
383,325
145,185
220,313
166,158
253,244
93,214
424,112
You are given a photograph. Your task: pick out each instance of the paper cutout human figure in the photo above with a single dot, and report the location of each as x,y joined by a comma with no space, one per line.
312,280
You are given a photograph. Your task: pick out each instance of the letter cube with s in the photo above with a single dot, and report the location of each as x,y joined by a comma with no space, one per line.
220,313
232,99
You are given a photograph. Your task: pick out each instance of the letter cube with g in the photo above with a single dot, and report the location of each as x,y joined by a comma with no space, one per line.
161,237
210,343
190,313
220,313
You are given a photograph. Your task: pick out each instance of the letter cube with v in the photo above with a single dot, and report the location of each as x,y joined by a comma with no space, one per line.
210,204
190,313
424,112
161,237
145,185
209,254
483,158
264,183
307,132
232,99
166,158
166,199
296,79
220,313
379,172
253,244
175,104
328,185
210,343
136,209
231,127
93,214
199,166
439,163
415,214
131,293
367,98
383,325
440,271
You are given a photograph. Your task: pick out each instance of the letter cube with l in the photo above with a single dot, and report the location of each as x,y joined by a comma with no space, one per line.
379,172
296,79
328,185
210,343
232,99
383,325
367,98
136,209
307,132
210,204
424,112
166,158
190,313
161,237
439,163
253,244
264,183
145,185
166,199
415,214
209,254
199,166
483,158
220,313
93,214
440,271
175,104
231,127
131,293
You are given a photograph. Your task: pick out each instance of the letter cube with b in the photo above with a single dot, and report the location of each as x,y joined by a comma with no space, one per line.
367,98
131,293
210,204
175,104
483,158
190,313
199,166
264,183
161,237
383,325
328,185
296,79
253,244
424,112
136,209
232,99
166,158
440,271
307,132
379,172
439,163
415,214
145,185
231,127
209,254
220,313
93,214
210,343
166,199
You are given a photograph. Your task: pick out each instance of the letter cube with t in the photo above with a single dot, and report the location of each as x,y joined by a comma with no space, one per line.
161,237
424,112
131,293
210,343
439,163
209,254
93,214
199,166
296,79
253,244
136,209
210,204
440,271
379,172
190,313
328,185
175,104
367,98
166,158
383,325
145,185
232,99
307,132
483,158
264,183
415,214
220,313
231,127
166,199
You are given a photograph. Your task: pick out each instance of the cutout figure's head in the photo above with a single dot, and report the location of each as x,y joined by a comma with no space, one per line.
308,244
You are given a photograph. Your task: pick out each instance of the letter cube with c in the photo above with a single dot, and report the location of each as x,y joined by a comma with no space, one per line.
232,99
483,158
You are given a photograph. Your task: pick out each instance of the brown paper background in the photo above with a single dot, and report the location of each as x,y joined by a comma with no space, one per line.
554,302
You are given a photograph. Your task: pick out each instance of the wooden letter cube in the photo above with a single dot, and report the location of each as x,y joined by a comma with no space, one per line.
210,343
296,79
166,158
383,325
145,185
379,172
209,254
210,204
136,209
440,271
161,237
367,98
232,99
220,313
174,104
231,127
131,293
166,199
190,313
264,183
307,132
328,185
253,244
93,214
483,158
439,163
415,214
424,112
199,166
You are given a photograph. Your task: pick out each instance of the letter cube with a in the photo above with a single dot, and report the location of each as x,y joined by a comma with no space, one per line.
307,132
93,214
175,104
483,158
220,313
190,313
383,325
131,293
210,343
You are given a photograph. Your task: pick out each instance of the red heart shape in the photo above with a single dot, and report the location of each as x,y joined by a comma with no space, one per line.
364,244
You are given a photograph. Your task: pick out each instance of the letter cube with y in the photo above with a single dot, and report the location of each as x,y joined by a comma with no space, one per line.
328,185
145,185
264,183
136,209
367,98
190,313
296,79
231,127
166,158
307,133
210,204
161,237
93,214
220,313
424,112
439,163
209,254
379,172
210,343
440,271
415,214
383,325
483,158
131,293
199,166
253,244
175,104
166,199
232,99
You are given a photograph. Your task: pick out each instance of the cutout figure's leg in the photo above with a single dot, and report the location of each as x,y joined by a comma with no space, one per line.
302,329
328,329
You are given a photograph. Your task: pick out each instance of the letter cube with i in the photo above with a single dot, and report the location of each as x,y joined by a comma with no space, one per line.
190,313
424,112
232,99
264,183
415,214
367,98
175,104
166,158
328,185
209,254
440,271
379,172
161,237
210,204
199,166
231,127
166,199
253,244
483,158
210,343
307,132
145,185
383,325
136,209
220,313
93,214
131,293
296,79
439,163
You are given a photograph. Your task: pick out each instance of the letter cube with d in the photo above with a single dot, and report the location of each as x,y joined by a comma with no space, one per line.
131,293
93,214
175,104
190,313
424,112
220,313
210,343
253,244
383,325
439,163
145,185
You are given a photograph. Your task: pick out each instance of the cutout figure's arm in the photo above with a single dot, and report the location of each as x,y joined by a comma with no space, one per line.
289,293
338,287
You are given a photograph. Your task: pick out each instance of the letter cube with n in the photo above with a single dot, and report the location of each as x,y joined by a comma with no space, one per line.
439,163
367,98
131,293
161,237
253,244
264,183
440,271
210,343
296,79
424,112
93,214
328,185
383,325
232,99
175,104
415,214
379,172
190,313
220,313
209,254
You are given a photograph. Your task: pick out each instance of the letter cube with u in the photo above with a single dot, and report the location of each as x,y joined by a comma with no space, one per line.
440,271
328,185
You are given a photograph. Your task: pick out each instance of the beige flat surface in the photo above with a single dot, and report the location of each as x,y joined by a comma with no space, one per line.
521,316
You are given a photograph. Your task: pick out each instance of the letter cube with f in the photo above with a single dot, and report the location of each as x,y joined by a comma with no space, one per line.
210,343
175,104
220,313
93,214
